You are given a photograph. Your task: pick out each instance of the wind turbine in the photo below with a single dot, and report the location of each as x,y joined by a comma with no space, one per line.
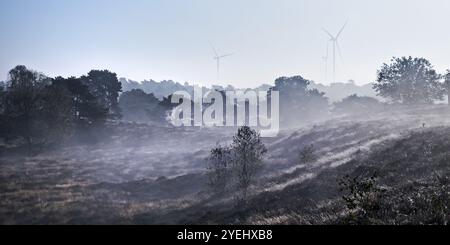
335,41
218,58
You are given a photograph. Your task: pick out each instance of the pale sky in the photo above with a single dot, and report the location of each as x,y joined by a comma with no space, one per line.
168,39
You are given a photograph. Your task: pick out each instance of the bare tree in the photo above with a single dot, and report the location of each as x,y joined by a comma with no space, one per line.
248,152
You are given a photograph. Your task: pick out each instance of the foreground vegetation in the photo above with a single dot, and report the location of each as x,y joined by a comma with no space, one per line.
78,151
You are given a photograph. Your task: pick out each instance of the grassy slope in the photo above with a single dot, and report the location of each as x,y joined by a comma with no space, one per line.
105,186
399,149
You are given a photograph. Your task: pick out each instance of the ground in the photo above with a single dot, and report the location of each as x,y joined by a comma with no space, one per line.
155,175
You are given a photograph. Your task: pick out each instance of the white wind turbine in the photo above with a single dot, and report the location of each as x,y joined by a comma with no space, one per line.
218,57
334,40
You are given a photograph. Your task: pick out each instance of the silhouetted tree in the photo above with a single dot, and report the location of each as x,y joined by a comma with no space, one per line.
58,112
41,111
166,103
409,81
86,108
298,104
24,101
138,106
248,151
105,87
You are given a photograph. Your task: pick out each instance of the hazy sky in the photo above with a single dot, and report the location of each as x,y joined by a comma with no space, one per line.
168,39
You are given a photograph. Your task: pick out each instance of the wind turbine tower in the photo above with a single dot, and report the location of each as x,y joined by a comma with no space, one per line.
325,61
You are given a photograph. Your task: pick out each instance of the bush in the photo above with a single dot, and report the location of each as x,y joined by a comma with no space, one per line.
362,199
218,169
367,203
307,155
355,104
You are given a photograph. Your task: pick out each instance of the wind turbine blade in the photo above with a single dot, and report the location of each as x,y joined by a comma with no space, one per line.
214,49
223,56
328,33
342,29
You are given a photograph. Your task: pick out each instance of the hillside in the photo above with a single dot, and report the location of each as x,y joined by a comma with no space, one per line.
135,178
407,157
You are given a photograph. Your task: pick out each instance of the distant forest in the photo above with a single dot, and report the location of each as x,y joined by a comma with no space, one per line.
37,111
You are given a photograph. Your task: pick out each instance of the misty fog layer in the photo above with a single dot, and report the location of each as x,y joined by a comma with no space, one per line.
87,150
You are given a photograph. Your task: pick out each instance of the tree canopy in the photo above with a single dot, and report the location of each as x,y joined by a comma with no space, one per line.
104,86
138,106
298,103
39,110
409,81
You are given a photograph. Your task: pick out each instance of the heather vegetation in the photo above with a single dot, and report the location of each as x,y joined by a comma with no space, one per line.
79,150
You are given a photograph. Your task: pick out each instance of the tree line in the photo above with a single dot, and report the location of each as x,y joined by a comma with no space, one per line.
404,81
39,111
